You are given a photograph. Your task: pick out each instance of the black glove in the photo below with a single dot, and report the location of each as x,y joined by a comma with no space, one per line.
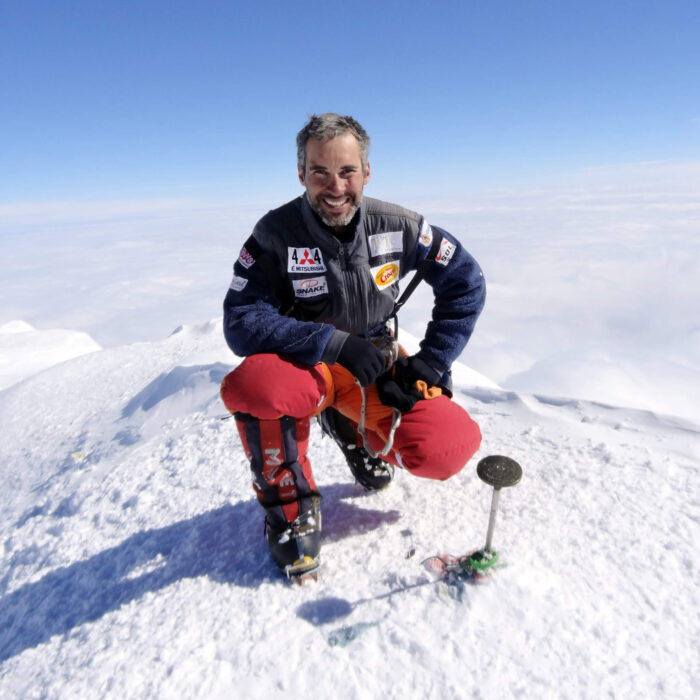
396,387
362,359
394,394
412,369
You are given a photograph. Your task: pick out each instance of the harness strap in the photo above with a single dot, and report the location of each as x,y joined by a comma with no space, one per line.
421,271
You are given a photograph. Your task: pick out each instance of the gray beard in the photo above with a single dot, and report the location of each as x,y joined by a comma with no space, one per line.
342,222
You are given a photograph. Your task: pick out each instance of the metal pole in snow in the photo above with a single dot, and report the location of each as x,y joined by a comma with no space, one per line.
492,518
500,472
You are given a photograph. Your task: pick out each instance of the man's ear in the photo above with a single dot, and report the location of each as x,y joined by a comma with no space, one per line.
366,179
301,176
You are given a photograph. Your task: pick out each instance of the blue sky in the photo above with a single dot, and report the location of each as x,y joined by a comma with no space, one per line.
142,99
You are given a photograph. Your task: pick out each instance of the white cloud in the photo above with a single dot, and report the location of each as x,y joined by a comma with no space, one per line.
606,261
80,211
95,217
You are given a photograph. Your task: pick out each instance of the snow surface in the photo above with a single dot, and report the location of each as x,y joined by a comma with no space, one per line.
134,563
24,350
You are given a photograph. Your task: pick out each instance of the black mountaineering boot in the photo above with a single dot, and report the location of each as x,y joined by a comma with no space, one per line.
295,546
373,473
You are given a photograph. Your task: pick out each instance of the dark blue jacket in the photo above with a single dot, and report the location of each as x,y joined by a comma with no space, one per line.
298,290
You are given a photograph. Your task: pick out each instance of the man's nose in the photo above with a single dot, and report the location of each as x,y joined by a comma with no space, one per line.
336,184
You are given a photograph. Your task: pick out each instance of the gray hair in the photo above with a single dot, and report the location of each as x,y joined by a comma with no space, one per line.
328,126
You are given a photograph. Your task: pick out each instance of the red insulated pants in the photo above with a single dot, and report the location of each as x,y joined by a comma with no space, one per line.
435,440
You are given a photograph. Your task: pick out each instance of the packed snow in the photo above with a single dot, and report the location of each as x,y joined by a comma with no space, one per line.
134,562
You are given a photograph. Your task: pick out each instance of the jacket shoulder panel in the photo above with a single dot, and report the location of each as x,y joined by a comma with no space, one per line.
280,219
379,208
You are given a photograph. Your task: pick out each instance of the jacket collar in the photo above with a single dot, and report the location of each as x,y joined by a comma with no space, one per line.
315,225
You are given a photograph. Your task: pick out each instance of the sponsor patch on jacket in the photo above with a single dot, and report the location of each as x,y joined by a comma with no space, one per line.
384,243
245,258
305,260
446,252
385,275
238,283
426,234
310,287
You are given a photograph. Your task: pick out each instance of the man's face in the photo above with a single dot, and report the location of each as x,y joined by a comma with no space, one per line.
334,178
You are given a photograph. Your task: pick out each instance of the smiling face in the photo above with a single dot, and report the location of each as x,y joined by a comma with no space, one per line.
334,178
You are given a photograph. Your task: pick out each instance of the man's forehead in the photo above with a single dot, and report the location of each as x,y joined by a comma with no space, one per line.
344,144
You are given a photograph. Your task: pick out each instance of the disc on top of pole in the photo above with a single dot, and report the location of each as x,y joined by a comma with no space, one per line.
499,471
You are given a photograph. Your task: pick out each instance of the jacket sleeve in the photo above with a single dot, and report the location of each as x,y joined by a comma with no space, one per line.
460,292
253,318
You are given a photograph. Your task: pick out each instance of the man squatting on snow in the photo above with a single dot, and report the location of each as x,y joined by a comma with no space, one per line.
311,293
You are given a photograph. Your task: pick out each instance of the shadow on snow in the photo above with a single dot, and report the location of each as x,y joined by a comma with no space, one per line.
175,381
225,544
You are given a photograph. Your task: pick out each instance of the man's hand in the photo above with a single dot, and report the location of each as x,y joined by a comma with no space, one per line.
362,359
397,387
413,369
394,394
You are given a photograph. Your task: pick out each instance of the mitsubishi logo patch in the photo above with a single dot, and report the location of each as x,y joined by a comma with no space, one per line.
305,260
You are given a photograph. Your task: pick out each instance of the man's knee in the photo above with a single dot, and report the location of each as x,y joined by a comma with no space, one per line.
436,439
267,386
